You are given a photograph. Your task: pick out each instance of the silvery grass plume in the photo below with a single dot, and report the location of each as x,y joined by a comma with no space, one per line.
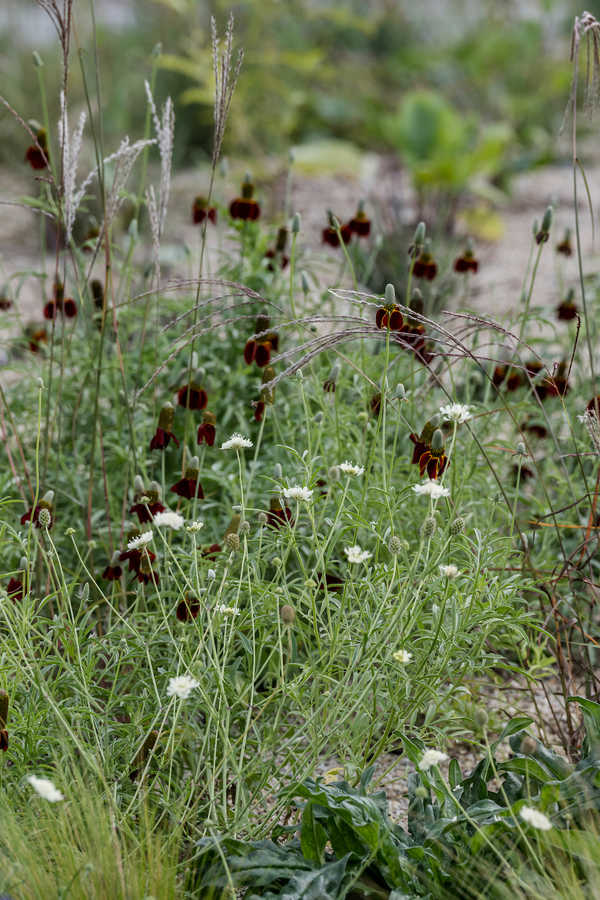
165,132
155,229
586,29
70,148
226,75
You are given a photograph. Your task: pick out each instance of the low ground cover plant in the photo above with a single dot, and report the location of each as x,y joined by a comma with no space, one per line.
255,516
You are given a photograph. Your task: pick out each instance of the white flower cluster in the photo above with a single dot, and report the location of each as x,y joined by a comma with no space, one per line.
45,788
456,412
181,686
237,442
450,571
298,493
349,468
402,656
170,519
535,818
432,758
138,542
431,489
356,555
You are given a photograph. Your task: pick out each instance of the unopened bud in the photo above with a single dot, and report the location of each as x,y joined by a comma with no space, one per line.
480,717
390,294
232,541
457,526
288,614
296,223
428,527
419,238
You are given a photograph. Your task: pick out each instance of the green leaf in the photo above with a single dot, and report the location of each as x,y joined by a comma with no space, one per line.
528,767
519,723
313,837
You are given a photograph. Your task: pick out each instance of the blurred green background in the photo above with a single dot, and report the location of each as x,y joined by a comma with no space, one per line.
455,89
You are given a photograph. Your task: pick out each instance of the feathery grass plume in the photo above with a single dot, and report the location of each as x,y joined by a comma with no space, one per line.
226,74
70,148
165,132
586,29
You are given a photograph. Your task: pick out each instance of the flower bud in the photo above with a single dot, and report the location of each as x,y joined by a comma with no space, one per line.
278,471
437,440
304,283
480,717
390,294
547,220
288,614
396,545
138,484
528,745
419,238
232,541
457,526
334,473
428,527
45,518
296,223
262,518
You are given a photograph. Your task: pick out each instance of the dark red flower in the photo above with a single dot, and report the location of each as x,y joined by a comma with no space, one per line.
192,394
279,515
5,303
245,207
212,552
567,310
594,406
69,308
565,247
331,582
135,556
425,266
113,571
429,452
50,309
164,432
540,431
146,503
145,573
375,404
329,235
33,513
466,262
37,154
202,211
259,410
360,225
97,290
15,589
207,430
188,609
189,486
36,337
389,317
511,378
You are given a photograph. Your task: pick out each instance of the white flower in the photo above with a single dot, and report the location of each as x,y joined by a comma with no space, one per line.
431,489
195,526
535,818
211,574
298,493
432,758
181,686
356,555
45,788
349,468
141,541
402,656
449,571
456,412
227,610
237,442
170,519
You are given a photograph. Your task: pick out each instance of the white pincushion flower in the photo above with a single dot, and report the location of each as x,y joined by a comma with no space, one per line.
237,442
181,686
431,489
170,519
138,542
356,554
227,610
432,758
449,571
45,788
349,468
298,493
402,656
195,526
535,818
456,412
